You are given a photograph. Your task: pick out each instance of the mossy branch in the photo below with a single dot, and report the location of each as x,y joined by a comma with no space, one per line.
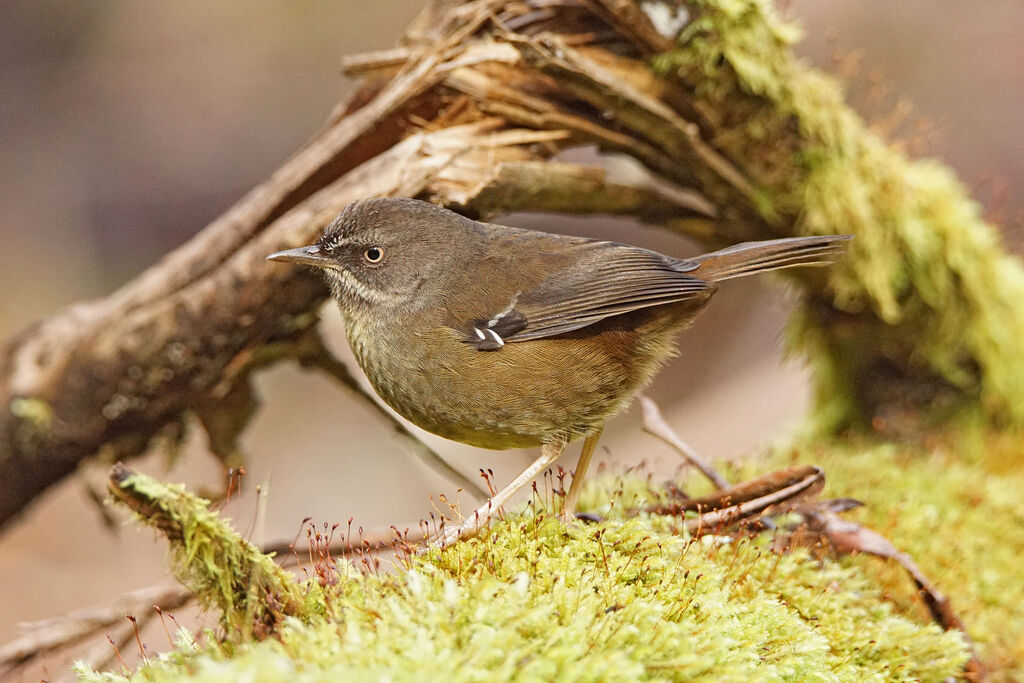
924,318
210,559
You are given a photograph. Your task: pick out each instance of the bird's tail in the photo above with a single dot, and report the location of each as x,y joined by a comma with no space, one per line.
755,257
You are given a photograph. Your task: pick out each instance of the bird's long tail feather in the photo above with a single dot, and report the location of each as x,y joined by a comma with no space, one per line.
756,257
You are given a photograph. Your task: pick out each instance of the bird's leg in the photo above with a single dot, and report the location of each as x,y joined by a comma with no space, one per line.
569,506
549,453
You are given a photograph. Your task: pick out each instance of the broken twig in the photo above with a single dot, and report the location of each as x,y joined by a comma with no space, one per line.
655,425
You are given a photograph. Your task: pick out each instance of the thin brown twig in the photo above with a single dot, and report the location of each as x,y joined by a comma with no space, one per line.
654,424
372,541
811,481
102,654
315,354
47,635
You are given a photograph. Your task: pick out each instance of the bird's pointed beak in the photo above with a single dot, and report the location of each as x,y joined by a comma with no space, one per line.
310,256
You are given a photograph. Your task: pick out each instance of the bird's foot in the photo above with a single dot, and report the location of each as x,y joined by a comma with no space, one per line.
589,517
466,529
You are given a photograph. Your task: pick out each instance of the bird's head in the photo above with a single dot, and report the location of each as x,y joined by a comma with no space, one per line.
387,253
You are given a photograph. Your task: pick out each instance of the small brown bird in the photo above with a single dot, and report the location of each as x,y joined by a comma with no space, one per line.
507,338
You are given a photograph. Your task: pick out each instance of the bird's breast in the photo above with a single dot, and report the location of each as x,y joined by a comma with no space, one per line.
516,397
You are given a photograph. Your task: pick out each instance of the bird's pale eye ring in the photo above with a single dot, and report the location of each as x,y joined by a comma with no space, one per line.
374,254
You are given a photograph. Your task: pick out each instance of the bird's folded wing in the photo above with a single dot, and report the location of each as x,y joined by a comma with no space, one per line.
580,284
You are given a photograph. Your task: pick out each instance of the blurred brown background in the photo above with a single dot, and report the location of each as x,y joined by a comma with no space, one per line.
125,127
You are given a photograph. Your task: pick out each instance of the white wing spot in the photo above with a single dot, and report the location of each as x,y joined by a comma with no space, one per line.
479,333
508,309
495,337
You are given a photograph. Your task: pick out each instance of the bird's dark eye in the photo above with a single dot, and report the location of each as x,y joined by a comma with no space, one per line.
374,254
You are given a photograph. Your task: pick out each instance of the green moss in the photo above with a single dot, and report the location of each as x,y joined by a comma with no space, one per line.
957,512
33,410
627,599
34,422
225,571
929,300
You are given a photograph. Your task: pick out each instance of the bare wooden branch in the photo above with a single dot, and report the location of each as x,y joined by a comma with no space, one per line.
110,374
639,112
